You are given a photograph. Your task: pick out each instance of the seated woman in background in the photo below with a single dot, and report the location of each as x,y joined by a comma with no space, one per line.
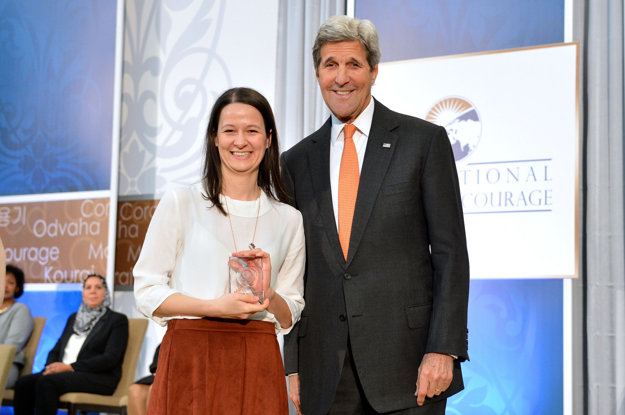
87,358
16,323
139,392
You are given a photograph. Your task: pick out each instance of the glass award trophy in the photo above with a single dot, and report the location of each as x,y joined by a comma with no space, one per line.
246,276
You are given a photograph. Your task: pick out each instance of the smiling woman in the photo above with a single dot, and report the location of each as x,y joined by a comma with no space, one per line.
241,140
182,275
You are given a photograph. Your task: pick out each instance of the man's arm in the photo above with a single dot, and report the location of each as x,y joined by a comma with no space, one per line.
290,340
449,256
290,346
443,209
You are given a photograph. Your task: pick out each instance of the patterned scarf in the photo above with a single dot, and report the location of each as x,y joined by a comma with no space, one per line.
86,318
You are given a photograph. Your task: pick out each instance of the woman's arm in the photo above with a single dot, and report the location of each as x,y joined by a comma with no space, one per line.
234,305
289,283
284,296
279,308
274,303
152,272
20,327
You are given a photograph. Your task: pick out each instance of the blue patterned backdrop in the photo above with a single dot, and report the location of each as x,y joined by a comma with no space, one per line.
57,63
515,326
412,29
515,346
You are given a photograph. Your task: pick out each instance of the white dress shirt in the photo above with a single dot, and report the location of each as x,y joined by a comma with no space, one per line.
337,142
189,241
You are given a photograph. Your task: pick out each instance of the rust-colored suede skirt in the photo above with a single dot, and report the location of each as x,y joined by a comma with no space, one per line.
216,366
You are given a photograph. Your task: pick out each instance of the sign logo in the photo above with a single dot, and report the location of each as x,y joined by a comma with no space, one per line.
462,122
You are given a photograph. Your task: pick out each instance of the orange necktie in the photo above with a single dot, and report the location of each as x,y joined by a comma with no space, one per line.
349,176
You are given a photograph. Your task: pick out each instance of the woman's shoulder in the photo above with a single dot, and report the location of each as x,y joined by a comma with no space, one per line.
114,315
19,312
21,308
286,211
184,195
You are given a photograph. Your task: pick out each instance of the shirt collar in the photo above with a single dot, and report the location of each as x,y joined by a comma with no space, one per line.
362,122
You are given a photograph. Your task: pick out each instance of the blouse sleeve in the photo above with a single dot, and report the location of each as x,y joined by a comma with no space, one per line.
290,281
20,327
153,270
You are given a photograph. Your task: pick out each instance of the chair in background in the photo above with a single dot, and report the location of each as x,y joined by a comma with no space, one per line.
7,354
79,402
29,356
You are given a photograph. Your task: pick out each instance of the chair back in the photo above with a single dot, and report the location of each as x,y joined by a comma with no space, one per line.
136,333
30,349
7,354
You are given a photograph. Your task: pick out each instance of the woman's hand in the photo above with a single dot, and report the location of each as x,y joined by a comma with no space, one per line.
238,305
57,367
274,303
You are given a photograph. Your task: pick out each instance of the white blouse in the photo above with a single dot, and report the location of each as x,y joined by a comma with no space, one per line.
72,348
189,241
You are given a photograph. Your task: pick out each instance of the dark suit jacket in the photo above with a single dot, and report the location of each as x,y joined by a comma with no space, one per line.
403,290
103,351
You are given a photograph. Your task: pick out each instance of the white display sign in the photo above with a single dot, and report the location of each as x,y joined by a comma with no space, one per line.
511,117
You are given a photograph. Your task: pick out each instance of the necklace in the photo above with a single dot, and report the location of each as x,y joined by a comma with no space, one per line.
251,245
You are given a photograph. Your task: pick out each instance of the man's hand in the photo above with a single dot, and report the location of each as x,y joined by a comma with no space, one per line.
294,393
435,374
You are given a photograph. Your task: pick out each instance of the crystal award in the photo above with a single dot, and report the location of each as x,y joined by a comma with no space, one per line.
246,276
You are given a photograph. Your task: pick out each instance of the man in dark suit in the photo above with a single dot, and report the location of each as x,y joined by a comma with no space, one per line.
385,324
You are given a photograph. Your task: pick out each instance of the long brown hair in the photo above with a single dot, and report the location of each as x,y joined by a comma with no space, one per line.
269,170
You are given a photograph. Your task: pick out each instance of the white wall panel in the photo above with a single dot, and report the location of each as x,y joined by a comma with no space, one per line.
178,57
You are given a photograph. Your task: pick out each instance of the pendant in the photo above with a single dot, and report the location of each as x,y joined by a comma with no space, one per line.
252,246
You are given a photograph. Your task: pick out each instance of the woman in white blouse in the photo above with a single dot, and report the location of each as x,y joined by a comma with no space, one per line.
220,353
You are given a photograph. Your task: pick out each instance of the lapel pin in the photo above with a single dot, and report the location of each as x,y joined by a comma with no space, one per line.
386,145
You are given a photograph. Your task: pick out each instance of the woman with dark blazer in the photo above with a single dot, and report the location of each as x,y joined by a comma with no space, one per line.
87,358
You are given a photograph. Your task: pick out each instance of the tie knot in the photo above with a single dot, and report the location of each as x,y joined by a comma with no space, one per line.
349,130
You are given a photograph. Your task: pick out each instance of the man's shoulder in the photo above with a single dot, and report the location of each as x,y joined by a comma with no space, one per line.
298,148
301,148
386,115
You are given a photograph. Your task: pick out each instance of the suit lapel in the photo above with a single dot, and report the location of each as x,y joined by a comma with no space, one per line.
381,145
319,159
94,331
